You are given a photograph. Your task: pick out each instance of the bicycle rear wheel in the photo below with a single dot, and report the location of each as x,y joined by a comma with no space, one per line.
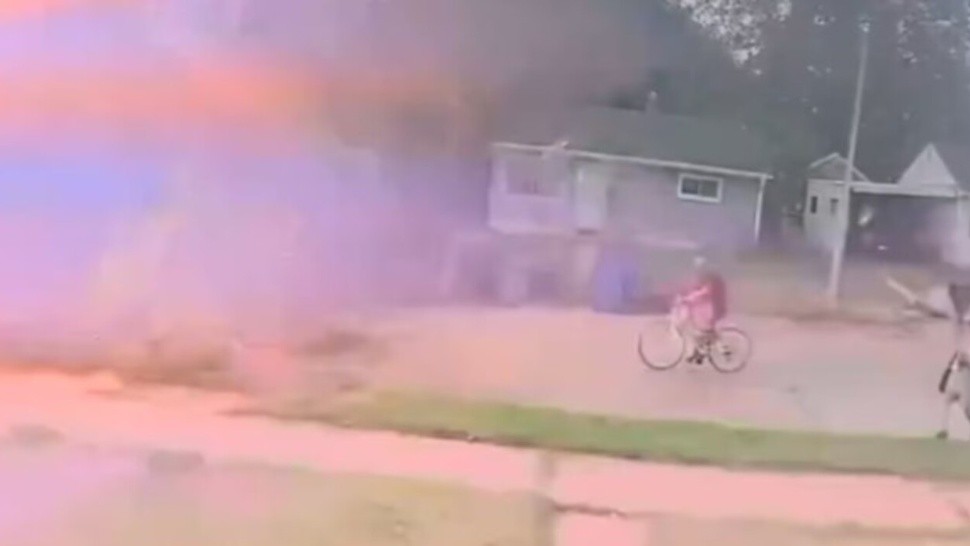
661,347
730,352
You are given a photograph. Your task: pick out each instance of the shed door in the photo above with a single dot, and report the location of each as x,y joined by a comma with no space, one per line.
591,200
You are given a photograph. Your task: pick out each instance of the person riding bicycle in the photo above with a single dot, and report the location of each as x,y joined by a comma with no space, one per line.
705,302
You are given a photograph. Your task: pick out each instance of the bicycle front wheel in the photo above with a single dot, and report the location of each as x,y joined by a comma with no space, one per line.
730,352
661,347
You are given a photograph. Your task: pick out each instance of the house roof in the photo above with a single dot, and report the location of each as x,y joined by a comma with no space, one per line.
834,165
630,133
956,157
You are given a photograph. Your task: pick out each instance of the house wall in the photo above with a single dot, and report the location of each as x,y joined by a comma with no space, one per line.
821,227
646,199
514,213
947,228
640,198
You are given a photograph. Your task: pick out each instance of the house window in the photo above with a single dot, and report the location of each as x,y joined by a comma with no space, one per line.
833,206
525,175
699,188
813,204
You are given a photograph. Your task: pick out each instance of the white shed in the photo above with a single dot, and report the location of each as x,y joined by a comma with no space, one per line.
822,195
926,207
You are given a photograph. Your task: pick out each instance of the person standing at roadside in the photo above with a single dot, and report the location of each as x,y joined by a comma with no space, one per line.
955,382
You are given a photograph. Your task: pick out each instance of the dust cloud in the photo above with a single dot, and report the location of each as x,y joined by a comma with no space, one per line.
131,210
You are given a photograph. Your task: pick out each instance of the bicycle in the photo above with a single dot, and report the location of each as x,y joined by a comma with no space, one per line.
728,349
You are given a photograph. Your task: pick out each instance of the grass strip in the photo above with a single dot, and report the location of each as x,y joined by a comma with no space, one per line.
660,441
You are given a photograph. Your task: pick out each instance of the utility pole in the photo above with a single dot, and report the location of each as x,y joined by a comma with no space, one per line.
845,200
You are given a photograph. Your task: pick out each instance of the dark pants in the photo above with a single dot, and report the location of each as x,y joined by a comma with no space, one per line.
960,297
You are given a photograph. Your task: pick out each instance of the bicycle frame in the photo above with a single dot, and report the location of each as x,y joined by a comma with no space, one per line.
680,320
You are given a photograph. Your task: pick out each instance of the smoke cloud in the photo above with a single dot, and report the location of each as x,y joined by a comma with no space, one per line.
179,178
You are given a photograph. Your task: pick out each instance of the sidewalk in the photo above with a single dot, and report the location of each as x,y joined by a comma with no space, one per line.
591,491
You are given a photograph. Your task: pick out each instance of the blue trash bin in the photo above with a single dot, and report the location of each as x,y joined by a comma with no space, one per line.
615,282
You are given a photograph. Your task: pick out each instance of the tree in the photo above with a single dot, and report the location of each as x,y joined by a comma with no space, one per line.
738,24
803,54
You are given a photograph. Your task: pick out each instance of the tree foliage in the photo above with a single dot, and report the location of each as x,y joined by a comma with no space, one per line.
802,58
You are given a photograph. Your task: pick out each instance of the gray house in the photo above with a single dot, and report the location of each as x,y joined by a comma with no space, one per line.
666,180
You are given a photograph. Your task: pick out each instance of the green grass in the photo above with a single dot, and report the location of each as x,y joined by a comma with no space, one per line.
661,441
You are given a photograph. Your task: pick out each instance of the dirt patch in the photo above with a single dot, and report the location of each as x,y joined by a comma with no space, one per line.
33,436
335,361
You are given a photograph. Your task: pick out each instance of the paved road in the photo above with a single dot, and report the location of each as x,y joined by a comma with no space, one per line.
805,375
197,422
624,502
173,419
